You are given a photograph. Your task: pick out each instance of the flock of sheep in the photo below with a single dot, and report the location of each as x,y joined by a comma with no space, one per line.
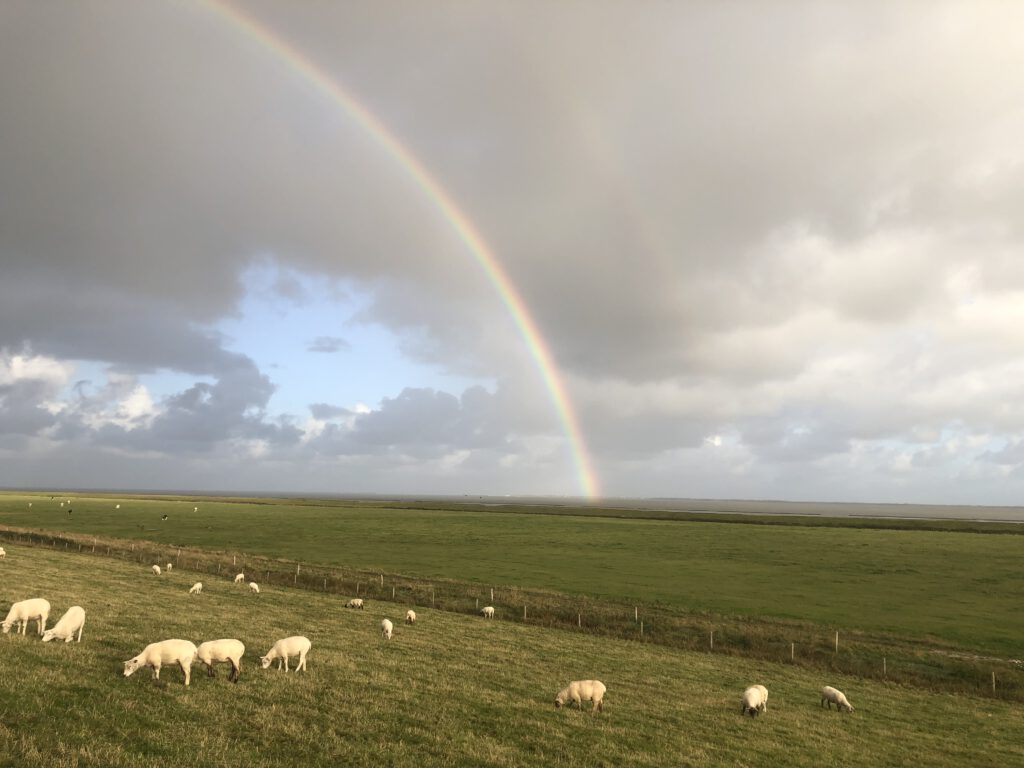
185,654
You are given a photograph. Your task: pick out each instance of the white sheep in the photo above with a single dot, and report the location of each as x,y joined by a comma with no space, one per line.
239,578
254,587
22,613
195,509
582,690
387,629
355,602
410,616
830,696
209,653
755,700
71,622
283,649
196,589
3,553
170,566
117,506
487,611
155,655
156,569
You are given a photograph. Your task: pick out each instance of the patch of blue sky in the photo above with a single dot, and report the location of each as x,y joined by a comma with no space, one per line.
284,316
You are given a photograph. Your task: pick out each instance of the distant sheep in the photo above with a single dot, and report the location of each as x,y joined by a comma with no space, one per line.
156,569
117,506
387,629
155,655
22,613
283,649
170,566
830,696
239,578
211,652
355,602
582,690
410,616
71,622
487,612
3,553
254,587
755,700
195,509
196,589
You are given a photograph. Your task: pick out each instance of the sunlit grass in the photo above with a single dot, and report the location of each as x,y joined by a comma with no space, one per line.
452,690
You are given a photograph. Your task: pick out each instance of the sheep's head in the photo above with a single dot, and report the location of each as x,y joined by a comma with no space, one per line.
47,635
7,627
265,661
131,665
847,706
559,701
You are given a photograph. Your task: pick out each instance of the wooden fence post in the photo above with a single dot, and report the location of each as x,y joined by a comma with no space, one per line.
792,651
837,641
712,639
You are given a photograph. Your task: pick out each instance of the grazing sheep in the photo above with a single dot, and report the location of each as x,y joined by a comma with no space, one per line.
195,509
254,587
410,616
170,566
355,602
239,578
164,517
156,569
3,553
117,506
211,652
580,691
755,700
487,612
196,589
155,655
283,649
387,628
22,613
72,621
830,696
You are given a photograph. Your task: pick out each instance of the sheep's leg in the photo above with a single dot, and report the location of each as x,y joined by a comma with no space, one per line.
80,631
210,671
156,672
302,662
236,670
186,668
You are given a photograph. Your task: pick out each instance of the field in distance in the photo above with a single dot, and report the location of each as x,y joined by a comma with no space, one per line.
453,690
951,585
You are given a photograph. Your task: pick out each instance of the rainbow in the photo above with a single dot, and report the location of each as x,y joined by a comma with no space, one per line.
482,254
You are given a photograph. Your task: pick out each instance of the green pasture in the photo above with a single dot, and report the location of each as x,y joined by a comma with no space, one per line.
453,690
960,587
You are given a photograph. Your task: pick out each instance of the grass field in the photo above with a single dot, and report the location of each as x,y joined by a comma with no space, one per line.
950,585
451,691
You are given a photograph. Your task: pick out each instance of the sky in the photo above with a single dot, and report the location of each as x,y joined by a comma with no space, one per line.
644,249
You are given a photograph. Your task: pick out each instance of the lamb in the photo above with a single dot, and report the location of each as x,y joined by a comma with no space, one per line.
156,569
22,613
155,655
755,700
830,696
72,621
211,652
410,616
387,628
239,578
254,587
283,649
196,589
3,553
487,611
169,566
580,691
355,602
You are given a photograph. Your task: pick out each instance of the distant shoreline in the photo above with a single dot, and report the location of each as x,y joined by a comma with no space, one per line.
828,509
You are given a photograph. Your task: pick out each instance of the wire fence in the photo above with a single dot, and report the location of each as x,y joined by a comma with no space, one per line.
842,651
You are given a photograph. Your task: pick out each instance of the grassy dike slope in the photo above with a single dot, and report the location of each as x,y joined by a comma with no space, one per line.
453,690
